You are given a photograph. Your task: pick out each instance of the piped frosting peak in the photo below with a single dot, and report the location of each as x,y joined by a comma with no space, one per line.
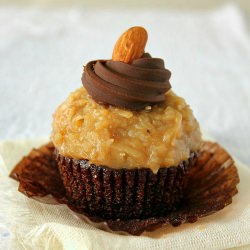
133,86
132,79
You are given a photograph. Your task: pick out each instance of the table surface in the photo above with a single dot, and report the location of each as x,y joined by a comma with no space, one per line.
43,52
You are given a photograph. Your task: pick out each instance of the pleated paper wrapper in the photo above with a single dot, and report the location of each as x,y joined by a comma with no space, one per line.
46,223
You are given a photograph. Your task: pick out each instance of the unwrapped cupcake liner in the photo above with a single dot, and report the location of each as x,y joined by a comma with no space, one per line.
122,193
210,185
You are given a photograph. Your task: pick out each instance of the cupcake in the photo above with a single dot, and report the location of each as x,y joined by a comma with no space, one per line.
124,141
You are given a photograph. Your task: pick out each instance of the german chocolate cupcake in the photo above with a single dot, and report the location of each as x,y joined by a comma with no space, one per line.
125,141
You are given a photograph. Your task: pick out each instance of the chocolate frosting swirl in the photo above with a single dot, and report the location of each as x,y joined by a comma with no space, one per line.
133,86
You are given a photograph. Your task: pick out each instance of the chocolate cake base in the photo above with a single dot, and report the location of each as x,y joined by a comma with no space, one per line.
122,193
211,185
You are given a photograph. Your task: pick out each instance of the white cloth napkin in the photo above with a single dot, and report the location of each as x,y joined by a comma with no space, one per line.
43,50
29,224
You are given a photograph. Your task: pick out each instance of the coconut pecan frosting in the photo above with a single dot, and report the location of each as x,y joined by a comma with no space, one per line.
133,86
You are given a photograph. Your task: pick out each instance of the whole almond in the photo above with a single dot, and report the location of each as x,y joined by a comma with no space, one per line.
130,45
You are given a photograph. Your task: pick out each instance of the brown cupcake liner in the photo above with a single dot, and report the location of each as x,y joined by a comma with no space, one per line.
210,186
122,193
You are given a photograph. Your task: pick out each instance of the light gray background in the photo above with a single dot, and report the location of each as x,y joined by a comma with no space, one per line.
42,51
